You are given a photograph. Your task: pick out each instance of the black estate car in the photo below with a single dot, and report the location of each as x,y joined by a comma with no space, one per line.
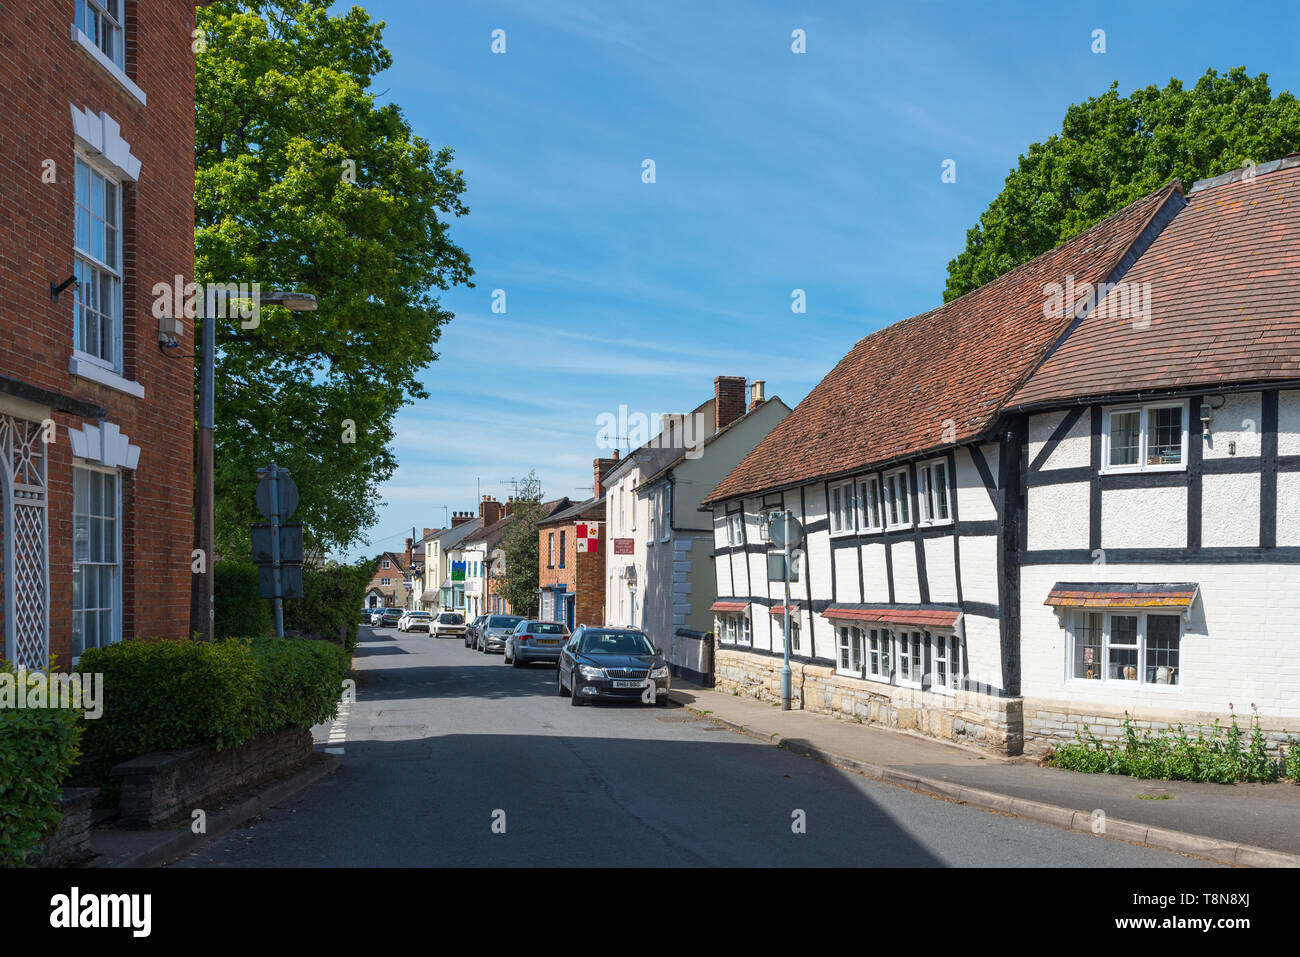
611,663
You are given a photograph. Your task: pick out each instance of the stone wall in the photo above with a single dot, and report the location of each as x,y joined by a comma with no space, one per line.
70,842
165,786
963,717
1048,723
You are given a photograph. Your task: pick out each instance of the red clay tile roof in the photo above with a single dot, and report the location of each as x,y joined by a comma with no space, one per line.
937,379
894,615
1116,595
778,611
1225,302
728,606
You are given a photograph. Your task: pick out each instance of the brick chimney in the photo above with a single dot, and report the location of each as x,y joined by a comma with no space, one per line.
460,518
728,400
599,467
429,531
756,394
490,510
510,505
409,543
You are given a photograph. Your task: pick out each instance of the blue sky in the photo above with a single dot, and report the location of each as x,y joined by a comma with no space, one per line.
775,171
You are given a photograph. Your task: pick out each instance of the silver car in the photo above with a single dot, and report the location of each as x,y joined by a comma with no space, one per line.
494,631
535,641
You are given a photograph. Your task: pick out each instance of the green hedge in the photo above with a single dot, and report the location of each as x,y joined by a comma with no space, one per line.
331,602
37,749
160,695
237,609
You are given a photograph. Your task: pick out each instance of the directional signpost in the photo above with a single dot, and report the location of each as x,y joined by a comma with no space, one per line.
277,547
785,532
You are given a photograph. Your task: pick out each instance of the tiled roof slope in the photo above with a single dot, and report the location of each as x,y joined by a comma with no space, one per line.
892,395
1224,302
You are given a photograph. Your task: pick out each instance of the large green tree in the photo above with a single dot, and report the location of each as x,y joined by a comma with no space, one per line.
303,182
1113,150
521,548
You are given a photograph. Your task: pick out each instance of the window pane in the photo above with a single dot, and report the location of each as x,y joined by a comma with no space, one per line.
940,481
904,656
1087,646
903,497
1123,648
1125,435
1165,441
1162,649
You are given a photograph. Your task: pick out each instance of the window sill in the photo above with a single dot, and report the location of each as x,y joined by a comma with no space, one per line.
82,365
109,67
1128,685
1141,469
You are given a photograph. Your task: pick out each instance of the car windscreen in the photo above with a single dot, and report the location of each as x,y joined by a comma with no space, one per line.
546,628
452,619
503,621
616,643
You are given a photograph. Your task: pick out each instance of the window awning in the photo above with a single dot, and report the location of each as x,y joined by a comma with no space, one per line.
723,604
896,614
428,595
1176,595
778,611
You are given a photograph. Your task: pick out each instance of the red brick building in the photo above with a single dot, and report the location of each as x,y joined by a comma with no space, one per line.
96,413
571,559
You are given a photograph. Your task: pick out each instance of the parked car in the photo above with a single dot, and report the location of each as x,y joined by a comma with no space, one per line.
493,632
471,633
377,615
365,615
447,624
390,617
415,621
611,663
535,641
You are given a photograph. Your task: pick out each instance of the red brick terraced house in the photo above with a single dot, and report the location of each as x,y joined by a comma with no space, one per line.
96,410
571,559
387,588
1049,502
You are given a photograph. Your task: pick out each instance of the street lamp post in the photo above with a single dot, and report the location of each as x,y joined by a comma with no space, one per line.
201,609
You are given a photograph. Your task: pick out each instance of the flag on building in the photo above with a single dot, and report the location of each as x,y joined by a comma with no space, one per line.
588,537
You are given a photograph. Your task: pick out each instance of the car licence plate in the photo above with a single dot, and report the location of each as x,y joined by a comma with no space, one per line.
630,684
547,641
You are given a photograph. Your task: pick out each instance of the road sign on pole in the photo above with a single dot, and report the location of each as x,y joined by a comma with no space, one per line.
277,497
786,532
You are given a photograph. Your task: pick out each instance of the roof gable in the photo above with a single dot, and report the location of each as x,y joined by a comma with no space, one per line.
939,378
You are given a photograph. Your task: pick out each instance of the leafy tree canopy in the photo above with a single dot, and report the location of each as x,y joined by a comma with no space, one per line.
304,183
520,546
1113,150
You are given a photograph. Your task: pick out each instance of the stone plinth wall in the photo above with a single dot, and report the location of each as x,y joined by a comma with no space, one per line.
1048,723
964,717
166,786
70,842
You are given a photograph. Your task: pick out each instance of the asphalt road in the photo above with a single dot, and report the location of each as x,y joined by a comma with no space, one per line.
451,757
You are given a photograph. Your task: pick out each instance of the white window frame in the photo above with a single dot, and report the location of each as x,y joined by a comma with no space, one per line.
652,512
746,630
735,528
1144,432
385,581
843,505
1142,615
878,660
925,482
908,672
550,549
665,504
867,487
115,22
794,632
908,519
115,619
846,634
86,260
386,564
945,648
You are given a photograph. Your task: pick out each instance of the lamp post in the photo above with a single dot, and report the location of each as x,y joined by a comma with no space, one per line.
201,610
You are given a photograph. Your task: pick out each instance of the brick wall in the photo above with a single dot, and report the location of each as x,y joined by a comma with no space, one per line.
43,73
582,574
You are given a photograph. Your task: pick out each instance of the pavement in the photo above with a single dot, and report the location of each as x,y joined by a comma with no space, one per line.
1241,824
449,757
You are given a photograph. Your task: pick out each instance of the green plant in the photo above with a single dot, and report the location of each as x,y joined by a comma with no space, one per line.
1216,754
298,682
237,608
37,749
332,596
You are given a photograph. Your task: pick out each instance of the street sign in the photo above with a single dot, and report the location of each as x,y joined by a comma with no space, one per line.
290,544
290,581
624,546
776,563
776,529
288,493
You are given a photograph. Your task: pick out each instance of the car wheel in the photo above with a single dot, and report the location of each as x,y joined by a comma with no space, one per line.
505,654
516,662
574,698
559,684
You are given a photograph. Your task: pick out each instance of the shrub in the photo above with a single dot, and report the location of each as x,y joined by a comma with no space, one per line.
298,682
1222,756
160,695
237,609
331,601
37,749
